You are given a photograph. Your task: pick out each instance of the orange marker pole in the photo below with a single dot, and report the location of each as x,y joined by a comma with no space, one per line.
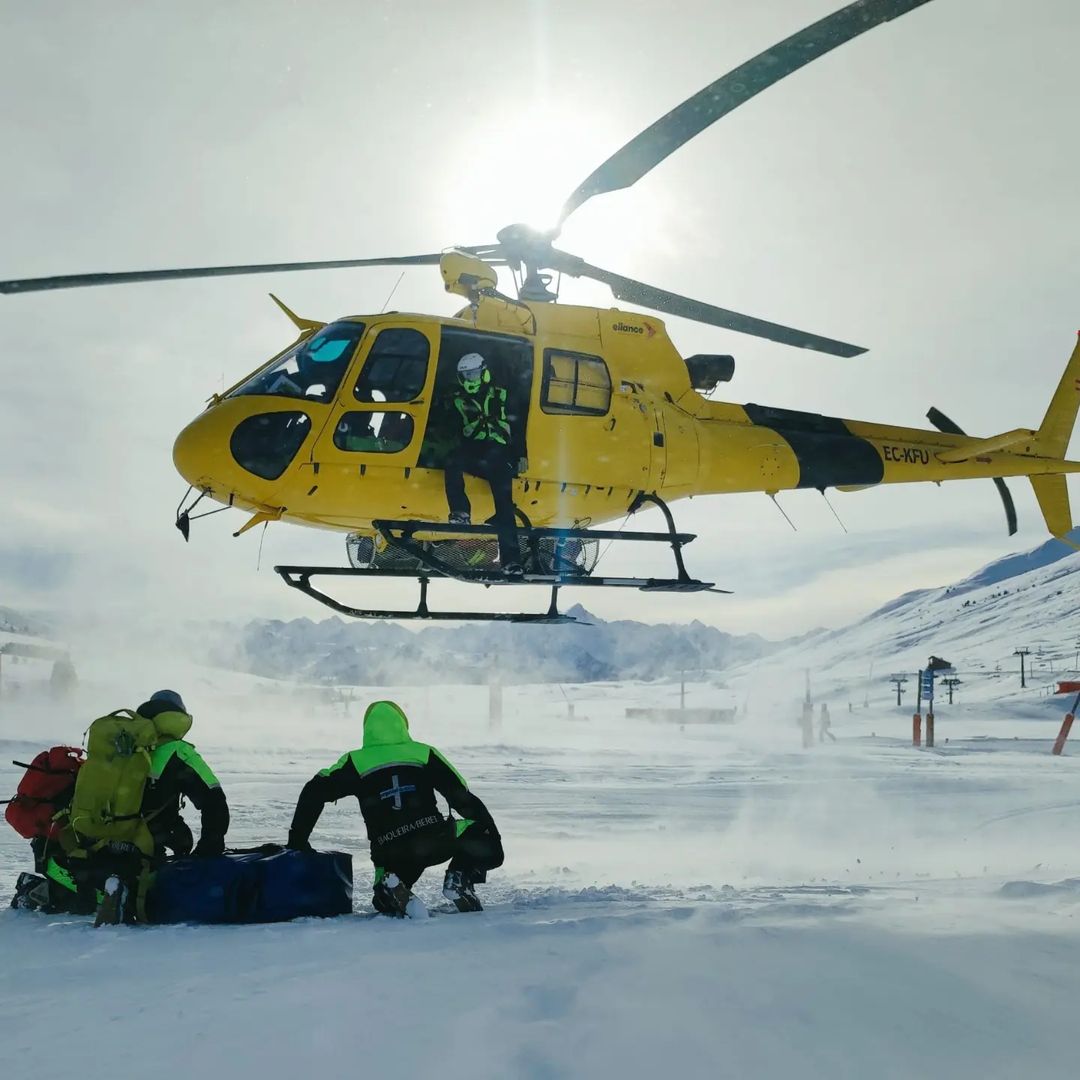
916,730
1066,727
930,729
1063,734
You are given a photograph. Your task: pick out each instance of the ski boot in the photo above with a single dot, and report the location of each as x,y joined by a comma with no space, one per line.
31,893
458,888
111,909
391,896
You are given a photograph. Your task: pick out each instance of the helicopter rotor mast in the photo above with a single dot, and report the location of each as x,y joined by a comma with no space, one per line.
530,250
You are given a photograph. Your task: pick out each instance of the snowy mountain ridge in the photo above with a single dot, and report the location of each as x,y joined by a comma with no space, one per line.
15,622
1029,600
334,651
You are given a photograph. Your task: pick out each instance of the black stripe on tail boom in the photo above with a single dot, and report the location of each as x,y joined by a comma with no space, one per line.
829,455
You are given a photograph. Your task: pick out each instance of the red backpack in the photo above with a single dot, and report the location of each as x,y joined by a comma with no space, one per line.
44,791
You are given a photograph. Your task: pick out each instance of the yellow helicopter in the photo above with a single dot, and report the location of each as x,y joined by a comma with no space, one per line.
359,424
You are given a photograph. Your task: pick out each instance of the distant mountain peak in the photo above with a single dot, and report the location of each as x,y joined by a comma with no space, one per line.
583,615
1021,562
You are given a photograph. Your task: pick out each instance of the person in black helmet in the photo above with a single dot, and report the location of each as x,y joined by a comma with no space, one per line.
483,450
177,769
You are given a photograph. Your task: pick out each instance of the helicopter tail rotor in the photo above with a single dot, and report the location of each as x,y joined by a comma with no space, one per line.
950,427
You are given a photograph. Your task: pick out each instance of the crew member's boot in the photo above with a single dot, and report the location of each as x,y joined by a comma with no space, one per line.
391,896
458,888
111,909
31,893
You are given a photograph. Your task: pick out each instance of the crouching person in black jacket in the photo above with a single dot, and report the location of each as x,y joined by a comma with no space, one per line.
395,780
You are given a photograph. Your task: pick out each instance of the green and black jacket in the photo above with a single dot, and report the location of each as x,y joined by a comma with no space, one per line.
395,780
483,415
178,770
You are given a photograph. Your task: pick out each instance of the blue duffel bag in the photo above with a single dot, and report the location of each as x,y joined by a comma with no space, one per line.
267,884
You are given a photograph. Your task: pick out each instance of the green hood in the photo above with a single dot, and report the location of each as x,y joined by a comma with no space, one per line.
172,725
385,724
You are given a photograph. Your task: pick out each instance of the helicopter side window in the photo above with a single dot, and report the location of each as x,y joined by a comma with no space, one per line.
575,383
267,443
311,370
396,367
374,432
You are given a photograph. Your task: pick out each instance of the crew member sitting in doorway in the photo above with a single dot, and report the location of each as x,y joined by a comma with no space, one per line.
483,450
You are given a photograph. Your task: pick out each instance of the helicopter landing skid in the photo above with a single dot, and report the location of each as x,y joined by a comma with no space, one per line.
553,558
299,577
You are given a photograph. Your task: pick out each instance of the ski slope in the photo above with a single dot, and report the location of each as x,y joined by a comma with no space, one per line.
711,901
1029,600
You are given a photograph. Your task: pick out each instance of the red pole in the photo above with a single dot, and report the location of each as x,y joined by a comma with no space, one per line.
1063,734
1066,727
930,730
916,730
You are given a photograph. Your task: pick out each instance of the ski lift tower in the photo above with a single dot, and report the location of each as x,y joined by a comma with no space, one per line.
898,681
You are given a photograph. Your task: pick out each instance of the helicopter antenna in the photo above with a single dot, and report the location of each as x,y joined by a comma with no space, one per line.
258,560
772,495
600,557
386,302
833,509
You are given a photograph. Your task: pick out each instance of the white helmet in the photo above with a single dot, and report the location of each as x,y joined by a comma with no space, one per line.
471,367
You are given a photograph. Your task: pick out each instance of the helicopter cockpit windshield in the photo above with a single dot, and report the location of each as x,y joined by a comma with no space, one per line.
311,370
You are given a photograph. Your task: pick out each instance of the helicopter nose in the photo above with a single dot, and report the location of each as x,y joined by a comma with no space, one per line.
232,450
196,454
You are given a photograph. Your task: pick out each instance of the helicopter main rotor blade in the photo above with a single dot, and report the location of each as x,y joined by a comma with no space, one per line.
669,303
77,281
646,150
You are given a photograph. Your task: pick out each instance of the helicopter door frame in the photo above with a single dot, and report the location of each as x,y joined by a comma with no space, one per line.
511,359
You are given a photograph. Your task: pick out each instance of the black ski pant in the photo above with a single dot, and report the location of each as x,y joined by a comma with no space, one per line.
488,463
469,846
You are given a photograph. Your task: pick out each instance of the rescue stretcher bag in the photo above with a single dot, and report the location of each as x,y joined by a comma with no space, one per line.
269,884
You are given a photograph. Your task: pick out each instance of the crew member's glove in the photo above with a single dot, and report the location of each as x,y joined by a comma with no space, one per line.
208,847
296,844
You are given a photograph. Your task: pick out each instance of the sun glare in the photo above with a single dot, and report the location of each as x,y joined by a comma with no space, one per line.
509,166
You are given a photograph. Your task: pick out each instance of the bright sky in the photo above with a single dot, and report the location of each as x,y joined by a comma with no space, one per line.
913,191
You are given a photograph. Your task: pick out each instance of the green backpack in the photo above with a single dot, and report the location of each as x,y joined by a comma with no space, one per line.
109,788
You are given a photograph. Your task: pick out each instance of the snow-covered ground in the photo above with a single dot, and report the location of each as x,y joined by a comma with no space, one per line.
696,901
